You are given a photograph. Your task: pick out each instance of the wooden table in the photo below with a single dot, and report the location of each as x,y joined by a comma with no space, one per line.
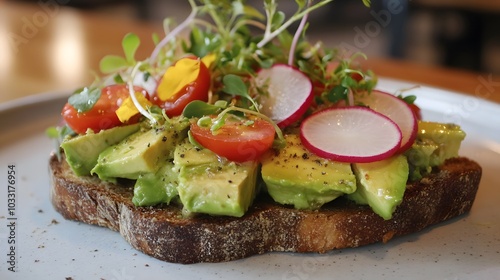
53,48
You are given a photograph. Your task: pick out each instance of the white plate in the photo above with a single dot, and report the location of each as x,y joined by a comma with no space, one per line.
467,247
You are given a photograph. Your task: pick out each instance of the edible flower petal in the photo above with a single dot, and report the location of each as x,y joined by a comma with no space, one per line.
209,59
184,72
128,109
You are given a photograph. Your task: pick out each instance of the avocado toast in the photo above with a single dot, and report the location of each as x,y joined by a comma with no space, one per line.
234,148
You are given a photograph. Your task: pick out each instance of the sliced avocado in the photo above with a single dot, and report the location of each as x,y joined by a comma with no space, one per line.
82,151
296,176
138,154
154,188
210,185
435,143
381,184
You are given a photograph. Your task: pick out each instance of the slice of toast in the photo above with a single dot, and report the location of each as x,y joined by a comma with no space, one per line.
164,233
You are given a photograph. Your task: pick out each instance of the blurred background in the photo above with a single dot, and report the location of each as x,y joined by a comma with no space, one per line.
453,33
54,43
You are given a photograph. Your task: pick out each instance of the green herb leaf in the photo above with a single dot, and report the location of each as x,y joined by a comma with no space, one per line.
85,99
337,93
234,85
410,99
301,3
266,63
198,109
52,132
118,79
156,38
348,82
238,8
278,19
252,12
367,3
130,43
112,63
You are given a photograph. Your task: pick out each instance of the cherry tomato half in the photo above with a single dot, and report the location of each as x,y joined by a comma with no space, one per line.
102,115
196,90
235,140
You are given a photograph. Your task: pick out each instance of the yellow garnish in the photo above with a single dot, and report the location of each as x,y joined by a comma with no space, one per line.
128,109
208,59
184,72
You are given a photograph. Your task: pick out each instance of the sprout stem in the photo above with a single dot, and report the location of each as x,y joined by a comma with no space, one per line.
131,91
175,31
296,37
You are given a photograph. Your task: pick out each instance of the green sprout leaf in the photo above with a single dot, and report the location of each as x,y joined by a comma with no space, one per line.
84,99
337,93
112,63
410,99
198,109
234,85
252,12
301,3
130,44
52,132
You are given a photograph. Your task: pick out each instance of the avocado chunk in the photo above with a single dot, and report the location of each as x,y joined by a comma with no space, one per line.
381,184
297,177
434,144
212,185
155,188
138,154
82,151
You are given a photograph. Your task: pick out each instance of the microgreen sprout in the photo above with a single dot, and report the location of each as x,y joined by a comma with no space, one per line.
236,86
139,107
409,99
114,63
297,35
301,12
170,36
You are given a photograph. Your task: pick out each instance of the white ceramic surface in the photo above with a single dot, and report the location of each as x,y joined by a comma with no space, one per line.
49,247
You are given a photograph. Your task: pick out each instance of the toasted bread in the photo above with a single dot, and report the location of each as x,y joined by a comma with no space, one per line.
164,233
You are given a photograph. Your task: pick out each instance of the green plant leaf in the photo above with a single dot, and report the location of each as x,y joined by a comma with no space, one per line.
52,132
367,3
234,85
238,8
253,13
130,44
410,99
112,63
118,79
301,3
349,82
198,109
278,19
337,93
85,99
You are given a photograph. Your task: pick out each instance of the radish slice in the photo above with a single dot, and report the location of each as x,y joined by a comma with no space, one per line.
350,134
397,110
289,93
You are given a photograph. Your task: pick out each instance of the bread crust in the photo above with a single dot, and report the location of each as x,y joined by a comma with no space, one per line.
163,232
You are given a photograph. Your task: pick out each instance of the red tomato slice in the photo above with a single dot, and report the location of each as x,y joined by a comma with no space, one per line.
102,115
237,141
197,90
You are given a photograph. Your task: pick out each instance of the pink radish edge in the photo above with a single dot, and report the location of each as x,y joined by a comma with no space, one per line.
345,158
413,135
300,111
